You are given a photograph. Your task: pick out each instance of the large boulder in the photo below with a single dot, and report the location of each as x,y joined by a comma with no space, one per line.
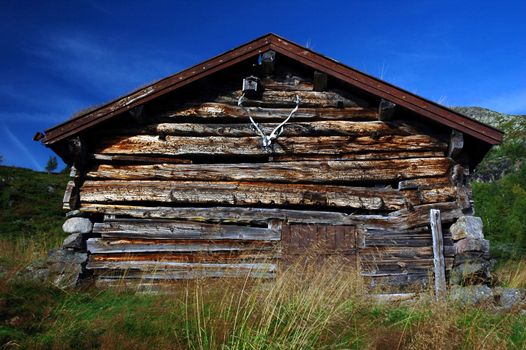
471,295
77,225
509,298
467,227
470,244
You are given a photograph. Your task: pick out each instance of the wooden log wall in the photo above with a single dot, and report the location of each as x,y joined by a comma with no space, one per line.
187,190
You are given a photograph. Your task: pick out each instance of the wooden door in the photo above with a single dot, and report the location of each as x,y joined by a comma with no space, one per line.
319,240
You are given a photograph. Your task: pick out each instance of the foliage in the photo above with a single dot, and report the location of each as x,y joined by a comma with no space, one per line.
52,164
502,206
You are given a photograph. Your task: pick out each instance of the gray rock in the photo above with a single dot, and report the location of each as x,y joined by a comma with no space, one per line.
471,245
77,225
470,272
508,298
75,241
467,227
65,267
471,295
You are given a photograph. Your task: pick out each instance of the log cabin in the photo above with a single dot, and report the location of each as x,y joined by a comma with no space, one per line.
260,154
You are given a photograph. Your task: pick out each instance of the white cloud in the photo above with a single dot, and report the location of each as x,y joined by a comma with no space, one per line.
103,65
18,144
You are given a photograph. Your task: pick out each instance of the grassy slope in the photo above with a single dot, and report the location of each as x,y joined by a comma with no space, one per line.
30,213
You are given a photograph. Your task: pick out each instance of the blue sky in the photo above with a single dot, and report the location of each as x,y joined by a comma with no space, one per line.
62,56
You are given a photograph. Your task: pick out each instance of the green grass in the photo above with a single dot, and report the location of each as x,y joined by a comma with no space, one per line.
291,313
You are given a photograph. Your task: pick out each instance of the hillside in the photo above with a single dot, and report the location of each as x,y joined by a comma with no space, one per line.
511,154
30,209
499,184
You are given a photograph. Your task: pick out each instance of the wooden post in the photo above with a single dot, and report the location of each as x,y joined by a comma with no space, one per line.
456,143
438,254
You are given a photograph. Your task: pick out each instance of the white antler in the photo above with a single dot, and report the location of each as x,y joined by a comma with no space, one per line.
267,140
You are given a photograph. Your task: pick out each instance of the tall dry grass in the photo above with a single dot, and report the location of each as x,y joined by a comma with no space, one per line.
512,274
309,305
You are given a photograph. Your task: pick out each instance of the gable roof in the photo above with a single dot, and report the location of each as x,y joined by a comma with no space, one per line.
296,52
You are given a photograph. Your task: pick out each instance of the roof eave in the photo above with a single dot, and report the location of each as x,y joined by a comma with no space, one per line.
306,56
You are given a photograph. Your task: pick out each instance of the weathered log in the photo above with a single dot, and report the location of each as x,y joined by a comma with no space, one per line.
404,219
118,276
209,111
245,193
424,183
150,266
216,145
105,246
257,216
316,172
393,297
276,98
357,156
69,201
156,229
208,257
311,128
139,159
456,143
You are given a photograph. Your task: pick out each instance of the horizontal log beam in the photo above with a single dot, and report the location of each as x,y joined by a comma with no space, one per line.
315,172
293,128
117,278
286,98
404,219
175,266
120,246
216,145
156,229
207,111
245,193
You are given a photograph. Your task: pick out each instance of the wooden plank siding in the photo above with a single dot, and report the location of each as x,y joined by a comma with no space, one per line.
188,191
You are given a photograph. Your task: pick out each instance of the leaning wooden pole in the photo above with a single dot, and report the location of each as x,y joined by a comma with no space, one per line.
438,254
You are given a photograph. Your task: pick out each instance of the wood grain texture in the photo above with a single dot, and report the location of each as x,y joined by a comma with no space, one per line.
292,128
163,229
106,246
245,193
403,219
306,171
219,145
224,111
